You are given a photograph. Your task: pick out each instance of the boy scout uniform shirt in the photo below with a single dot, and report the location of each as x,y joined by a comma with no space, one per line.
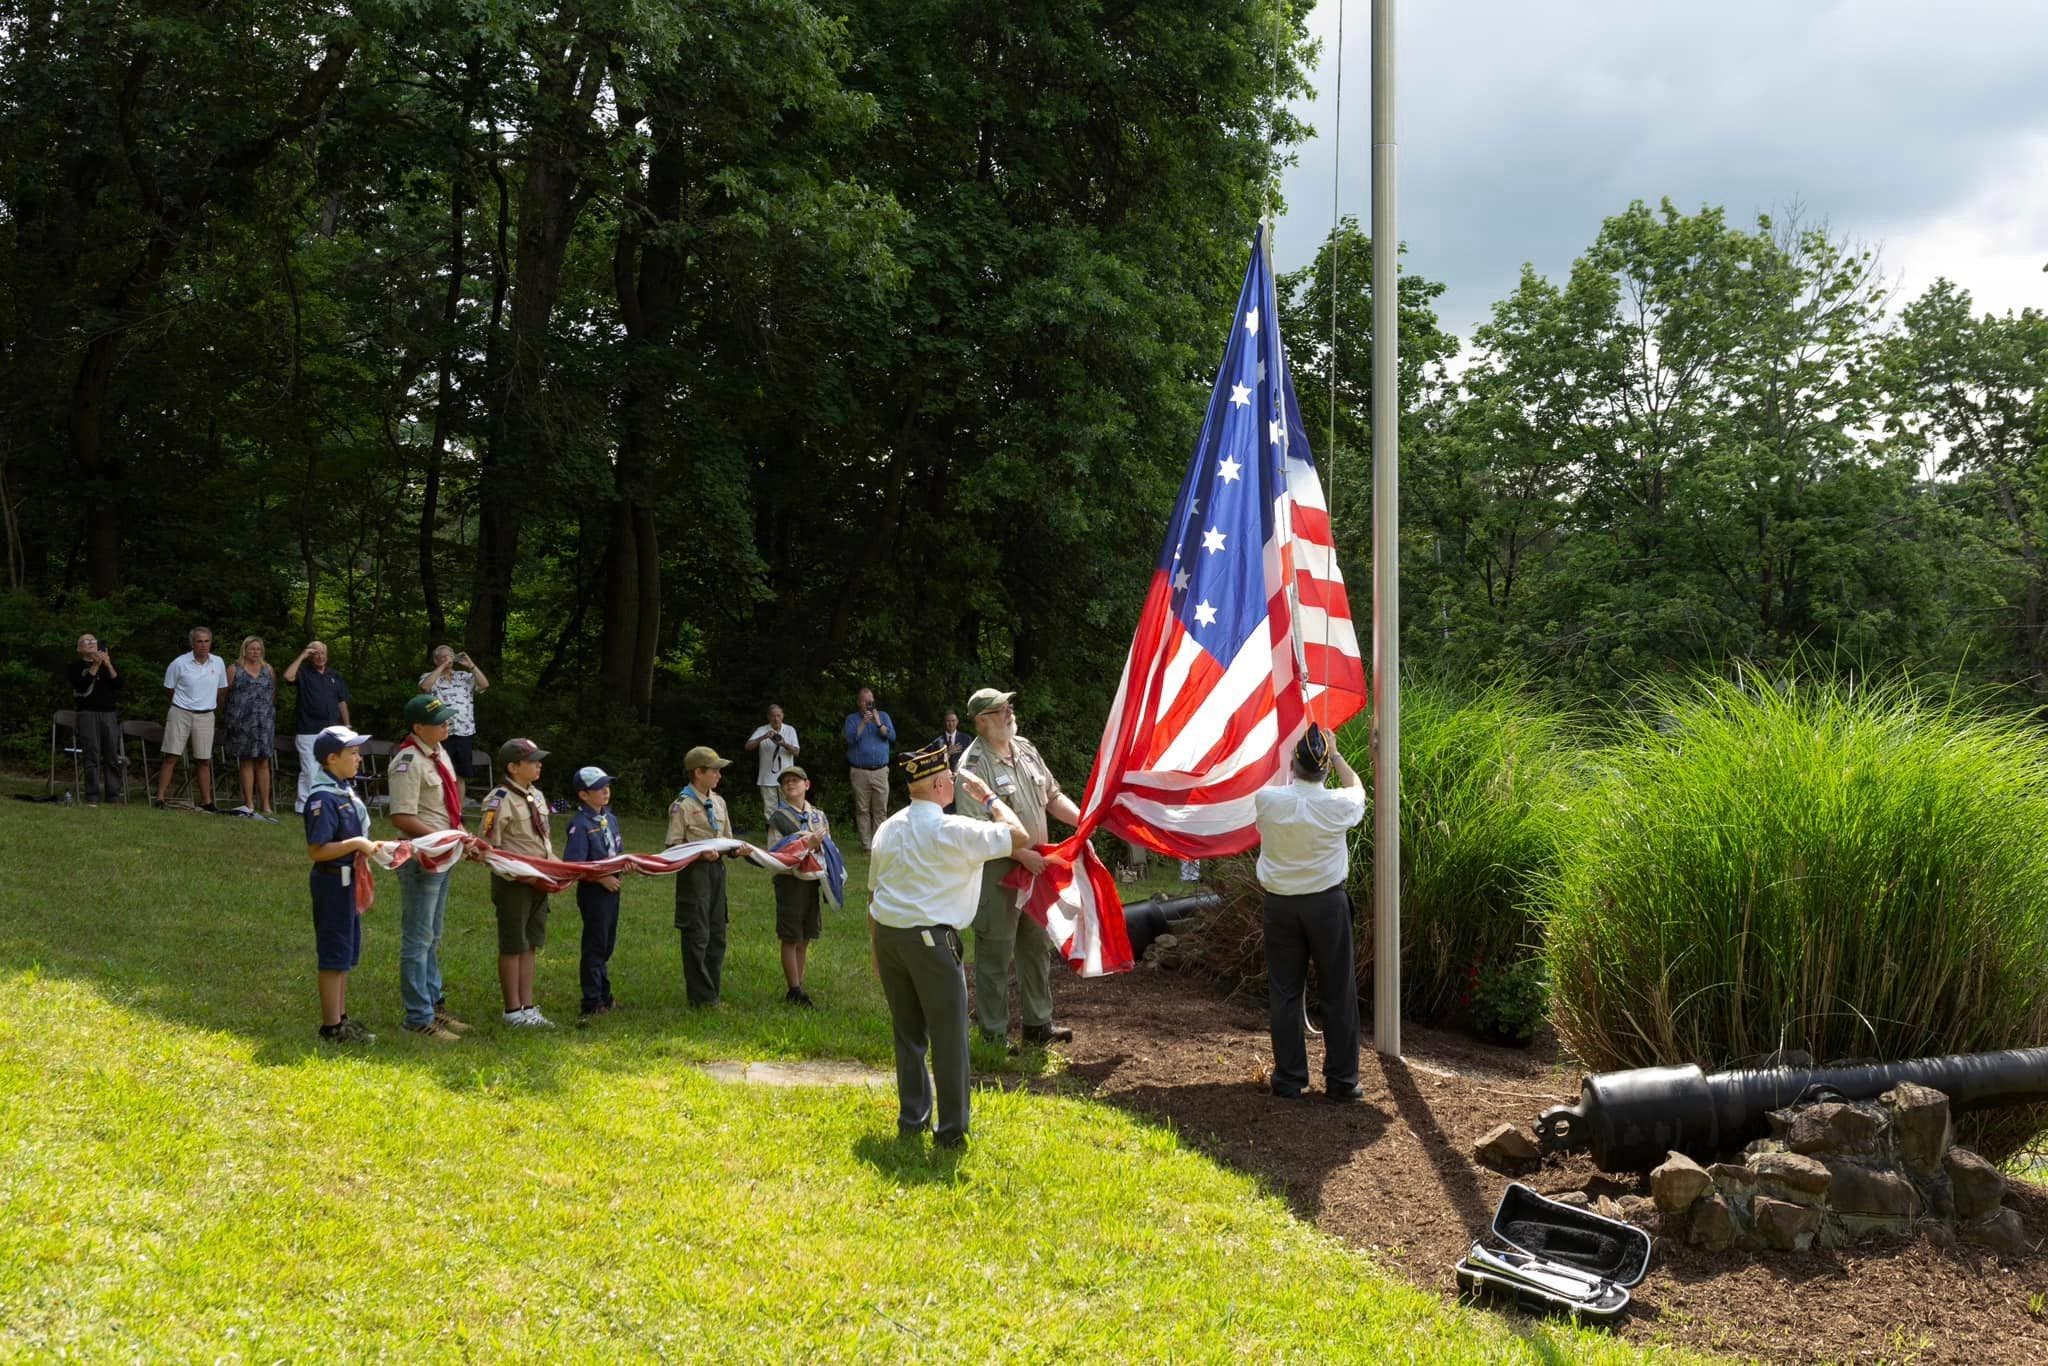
415,785
1025,784
689,822
516,821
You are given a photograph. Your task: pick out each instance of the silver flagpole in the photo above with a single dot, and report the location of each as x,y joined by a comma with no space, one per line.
1386,550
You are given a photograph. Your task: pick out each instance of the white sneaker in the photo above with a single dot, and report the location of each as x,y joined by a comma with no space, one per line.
534,1017
520,1019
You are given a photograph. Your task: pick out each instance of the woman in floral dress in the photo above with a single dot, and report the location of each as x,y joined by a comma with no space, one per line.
252,724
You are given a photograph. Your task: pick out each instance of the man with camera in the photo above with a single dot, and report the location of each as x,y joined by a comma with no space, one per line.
96,692
869,733
776,745
456,680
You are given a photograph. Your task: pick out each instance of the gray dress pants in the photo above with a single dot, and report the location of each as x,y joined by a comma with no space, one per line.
927,993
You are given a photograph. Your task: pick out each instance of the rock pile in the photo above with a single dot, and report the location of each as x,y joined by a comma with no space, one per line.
1835,1172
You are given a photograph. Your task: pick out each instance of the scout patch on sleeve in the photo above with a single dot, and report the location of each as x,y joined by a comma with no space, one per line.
403,763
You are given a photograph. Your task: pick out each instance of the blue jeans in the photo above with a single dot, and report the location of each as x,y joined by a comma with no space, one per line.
423,906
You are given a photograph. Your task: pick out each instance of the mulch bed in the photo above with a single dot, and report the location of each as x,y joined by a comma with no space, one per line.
1395,1175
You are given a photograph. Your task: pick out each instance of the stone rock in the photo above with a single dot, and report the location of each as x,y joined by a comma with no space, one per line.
1757,1147
1677,1182
1166,941
1939,1235
1784,1225
1607,1209
1578,1199
1979,1188
1713,1224
1830,1127
1636,1208
1859,1192
1791,1177
1733,1180
1506,1148
1919,1125
2002,1232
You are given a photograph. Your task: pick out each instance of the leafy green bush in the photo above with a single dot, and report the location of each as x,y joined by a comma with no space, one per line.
1483,779
1851,871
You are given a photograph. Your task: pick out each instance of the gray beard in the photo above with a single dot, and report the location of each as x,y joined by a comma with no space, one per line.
1002,732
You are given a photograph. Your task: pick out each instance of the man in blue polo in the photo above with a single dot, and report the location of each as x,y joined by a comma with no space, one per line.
323,702
869,735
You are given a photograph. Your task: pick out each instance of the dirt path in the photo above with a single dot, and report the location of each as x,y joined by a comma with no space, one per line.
1395,1175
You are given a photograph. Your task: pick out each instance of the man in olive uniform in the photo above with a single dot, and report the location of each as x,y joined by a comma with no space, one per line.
1011,766
698,813
922,882
426,796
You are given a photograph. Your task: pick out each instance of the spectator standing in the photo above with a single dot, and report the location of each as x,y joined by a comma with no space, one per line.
251,715
323,702
1014,769
1307,915
922,884
195,684
955,740
425,797
96,694
776,745
869,734
698,813
594,837
456,680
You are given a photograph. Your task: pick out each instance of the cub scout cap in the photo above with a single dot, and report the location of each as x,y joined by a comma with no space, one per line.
703,756
334,740
988,699
929,762
590,778
520,752
428,710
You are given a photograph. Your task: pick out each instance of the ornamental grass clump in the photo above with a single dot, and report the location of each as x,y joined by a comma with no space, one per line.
1854,872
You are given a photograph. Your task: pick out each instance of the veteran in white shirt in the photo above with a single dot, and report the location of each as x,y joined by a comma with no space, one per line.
924,883
1303,863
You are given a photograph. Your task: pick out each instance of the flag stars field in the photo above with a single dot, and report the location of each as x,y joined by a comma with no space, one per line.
1212,540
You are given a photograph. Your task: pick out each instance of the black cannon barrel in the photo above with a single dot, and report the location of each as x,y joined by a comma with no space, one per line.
1154,916
1630,1120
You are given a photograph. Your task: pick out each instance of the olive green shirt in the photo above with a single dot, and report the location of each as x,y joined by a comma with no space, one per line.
1025,784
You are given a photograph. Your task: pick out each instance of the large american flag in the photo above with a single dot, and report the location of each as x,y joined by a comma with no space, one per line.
1246,635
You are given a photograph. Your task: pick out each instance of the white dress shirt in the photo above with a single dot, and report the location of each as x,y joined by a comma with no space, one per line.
196,686
925,868
1301,835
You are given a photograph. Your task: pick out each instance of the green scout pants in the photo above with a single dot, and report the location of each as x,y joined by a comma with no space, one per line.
1003,933
927,994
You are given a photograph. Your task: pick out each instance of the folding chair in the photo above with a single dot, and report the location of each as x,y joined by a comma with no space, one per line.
481,761
373,774
66,719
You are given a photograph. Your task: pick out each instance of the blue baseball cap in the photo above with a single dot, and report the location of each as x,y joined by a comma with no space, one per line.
334,740
590,778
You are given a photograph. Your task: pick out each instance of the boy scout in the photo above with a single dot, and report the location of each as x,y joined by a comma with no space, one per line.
1013,768
594,837
698,813
337,830
516,820
798,910
426,796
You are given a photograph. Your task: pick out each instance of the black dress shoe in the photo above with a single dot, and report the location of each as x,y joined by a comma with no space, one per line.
1344,1095
1043,1034
1284,1092
950,1141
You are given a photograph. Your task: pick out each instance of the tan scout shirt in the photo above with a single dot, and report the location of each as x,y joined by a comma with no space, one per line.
688,822
415,785
1024,782
516,820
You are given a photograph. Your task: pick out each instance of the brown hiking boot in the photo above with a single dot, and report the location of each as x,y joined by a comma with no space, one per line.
449,1022
432,1031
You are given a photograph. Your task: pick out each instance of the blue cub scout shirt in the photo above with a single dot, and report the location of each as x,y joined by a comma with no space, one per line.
593,835
333,813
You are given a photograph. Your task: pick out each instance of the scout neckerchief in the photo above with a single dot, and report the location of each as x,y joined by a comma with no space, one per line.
710,811
806,816
360,869
604,819
536,810
451,793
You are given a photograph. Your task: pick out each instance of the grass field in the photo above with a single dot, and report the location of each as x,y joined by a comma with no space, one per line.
185,1171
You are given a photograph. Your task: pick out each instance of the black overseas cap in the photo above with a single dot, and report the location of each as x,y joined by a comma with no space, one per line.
919,764
1313,750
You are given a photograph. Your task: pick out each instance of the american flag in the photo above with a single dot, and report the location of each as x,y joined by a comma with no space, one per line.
1246,635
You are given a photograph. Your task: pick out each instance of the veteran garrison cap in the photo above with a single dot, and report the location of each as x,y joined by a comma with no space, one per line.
919,764
1313,751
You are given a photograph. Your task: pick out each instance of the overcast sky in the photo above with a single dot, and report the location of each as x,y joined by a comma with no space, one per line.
1920,127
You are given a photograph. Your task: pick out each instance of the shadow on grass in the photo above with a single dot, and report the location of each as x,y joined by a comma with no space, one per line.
910,1160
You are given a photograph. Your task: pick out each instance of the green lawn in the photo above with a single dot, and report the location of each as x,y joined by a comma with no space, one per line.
185,1171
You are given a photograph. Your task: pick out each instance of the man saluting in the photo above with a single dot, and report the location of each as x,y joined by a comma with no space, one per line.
924,880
